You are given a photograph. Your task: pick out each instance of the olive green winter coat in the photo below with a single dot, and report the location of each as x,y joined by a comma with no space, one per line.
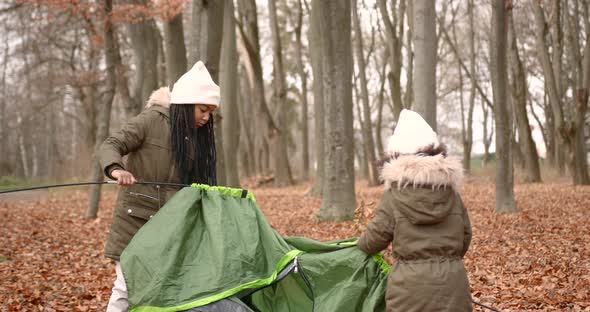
145,139
422,215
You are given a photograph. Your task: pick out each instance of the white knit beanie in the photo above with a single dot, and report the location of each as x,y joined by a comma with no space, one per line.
411,134
196,87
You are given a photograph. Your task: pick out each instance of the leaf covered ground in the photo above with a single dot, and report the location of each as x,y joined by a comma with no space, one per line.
538,259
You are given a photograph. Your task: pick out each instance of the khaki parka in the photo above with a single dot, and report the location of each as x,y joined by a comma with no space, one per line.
145,139
423,217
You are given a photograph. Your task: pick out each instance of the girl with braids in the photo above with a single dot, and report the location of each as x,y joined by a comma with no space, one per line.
422,215
171,141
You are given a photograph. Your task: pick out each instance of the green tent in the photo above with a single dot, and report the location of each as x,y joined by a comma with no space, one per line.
211,249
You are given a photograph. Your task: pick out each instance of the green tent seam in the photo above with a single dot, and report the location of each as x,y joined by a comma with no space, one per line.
287,258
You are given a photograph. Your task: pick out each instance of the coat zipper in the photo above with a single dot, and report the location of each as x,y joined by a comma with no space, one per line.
148,196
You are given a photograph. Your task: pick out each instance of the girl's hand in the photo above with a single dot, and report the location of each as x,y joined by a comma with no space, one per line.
123,177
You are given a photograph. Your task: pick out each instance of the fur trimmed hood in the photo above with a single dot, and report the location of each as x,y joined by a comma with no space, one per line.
160,97
436,171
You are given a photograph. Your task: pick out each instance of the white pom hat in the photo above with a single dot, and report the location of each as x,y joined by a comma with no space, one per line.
196,87
411,134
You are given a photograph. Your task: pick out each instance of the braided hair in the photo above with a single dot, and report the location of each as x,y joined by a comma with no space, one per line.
189,142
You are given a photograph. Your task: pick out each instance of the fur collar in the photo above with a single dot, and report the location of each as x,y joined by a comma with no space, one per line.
436,171
160,97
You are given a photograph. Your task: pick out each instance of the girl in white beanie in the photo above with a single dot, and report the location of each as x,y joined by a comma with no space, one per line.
172,141
422,215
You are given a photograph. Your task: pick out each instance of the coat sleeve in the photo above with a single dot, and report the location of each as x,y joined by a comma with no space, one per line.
126,140
467,234
379,232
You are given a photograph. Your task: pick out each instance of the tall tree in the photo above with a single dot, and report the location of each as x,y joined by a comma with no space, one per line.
380,102
367,129
176,60
425,45
409,94
247,123
551,80
229,94
315,52
580,57
394,44
279,135
206,38
556,57
3,103
467,132
250,40
338,202
304,105
504,169
563,128
144,37
519,100
105,110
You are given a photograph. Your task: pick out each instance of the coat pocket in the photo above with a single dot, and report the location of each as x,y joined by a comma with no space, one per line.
141,213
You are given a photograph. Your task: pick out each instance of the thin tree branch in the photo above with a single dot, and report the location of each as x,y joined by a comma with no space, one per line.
469,73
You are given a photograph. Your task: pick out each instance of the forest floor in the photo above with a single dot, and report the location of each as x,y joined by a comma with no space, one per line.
538,259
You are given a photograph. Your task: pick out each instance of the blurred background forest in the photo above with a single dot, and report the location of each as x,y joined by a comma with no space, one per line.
310,89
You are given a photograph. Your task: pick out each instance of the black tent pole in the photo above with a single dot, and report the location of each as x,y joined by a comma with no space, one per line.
86,183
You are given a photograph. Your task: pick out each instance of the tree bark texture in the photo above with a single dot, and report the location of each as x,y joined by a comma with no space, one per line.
338,202
279,135
425,45
104,110
229,95
504,168
519,100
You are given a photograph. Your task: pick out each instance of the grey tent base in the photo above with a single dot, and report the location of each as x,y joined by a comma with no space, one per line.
230,304
233,304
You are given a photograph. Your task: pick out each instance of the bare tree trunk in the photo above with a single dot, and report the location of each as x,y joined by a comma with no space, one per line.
394,44
198,32
360,150
582,85
504,170
487,137
247,123
551,80
279,135
304,104
425,44
4,135
550,128
144,41
472,93
229,94
53,159
380,102
104,110
409,95
206,38
364,95
556,58
176,62
542,128
35,159
250,39
338,202
21,146
519,96
315,52
163,77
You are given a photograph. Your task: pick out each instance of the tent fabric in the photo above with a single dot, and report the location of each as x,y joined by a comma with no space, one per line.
211,246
